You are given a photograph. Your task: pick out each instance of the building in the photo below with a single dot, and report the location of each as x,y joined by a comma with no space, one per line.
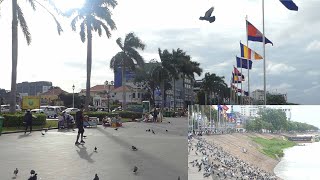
51,97
100,93
258,95
33,88
252,110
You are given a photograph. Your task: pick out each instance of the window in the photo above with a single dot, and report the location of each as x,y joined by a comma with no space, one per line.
133,95
138,95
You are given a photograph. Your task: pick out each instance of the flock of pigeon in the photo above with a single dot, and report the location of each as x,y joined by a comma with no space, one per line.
219,164
96,177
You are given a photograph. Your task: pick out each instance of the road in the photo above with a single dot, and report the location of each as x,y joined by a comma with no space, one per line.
160,156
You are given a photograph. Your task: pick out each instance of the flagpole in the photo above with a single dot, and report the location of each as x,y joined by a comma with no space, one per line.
248,61
241,83
230,91
264,56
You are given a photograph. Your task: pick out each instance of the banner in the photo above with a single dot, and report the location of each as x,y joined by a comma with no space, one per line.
30,102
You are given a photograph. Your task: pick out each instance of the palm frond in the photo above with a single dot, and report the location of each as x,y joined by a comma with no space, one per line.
101,24
71,12
135,56
33,5
52,4
97,27
74,22
119,42
59,27
133,41
23,25
105,3
117,60
104,14
83,31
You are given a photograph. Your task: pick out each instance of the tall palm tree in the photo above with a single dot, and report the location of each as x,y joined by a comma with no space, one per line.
213,84
128,58
95,15
18,17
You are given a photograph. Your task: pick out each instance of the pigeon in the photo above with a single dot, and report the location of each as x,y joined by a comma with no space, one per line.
148,130
42,133
166,130
134,148
169,122
135,169
95,149
208,17
153,132
116,129
96,177
15,172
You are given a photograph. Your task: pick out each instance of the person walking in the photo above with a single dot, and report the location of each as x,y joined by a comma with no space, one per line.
28,121
155,115
79,123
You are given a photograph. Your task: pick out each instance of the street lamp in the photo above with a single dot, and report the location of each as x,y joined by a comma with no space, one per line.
108,93
73,96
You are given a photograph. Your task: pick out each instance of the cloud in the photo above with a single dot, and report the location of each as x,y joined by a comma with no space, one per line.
313,46
279,69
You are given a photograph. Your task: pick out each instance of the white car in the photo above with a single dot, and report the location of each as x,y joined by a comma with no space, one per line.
69,110
6,108
37,111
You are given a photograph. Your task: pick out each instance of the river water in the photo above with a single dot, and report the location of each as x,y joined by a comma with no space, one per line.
300,163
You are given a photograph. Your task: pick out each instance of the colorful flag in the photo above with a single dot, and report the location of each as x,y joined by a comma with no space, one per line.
225,107
237,78
238,73
219,107
289,4
241,62
247,53
255,35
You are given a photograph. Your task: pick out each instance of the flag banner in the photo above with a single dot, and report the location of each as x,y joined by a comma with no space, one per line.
289,4
238,78
255,35
239,90
225,107
238,73
241,62
248,53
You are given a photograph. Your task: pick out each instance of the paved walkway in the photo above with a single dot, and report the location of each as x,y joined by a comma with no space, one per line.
161,156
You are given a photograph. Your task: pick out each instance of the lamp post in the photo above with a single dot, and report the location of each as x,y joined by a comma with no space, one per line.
73,95
108,93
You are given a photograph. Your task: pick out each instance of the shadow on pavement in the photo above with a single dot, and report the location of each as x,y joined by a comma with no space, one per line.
82,152
24,135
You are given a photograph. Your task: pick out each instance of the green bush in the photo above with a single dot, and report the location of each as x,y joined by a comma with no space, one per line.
16,120
101,115
169,114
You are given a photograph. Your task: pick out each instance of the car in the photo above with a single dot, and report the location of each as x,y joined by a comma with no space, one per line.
37,111
69,110
6,108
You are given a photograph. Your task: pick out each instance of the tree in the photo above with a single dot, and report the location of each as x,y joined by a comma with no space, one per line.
128,59
276,99
213,84
18,17
95,15
276,117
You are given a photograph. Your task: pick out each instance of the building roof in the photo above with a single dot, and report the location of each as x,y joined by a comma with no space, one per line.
54,91
120,89
99,88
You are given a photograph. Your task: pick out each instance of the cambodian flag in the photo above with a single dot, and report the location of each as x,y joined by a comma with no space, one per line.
255,35
289,4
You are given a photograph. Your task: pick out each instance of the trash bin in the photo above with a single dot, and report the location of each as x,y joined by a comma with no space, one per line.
1,124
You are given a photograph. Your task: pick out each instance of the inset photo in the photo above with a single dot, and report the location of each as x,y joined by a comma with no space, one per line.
253,142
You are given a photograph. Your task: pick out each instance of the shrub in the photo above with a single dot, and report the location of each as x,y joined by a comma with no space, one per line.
101,115
16,120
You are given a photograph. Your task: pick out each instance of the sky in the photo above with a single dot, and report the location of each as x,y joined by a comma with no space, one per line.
299,113
292,63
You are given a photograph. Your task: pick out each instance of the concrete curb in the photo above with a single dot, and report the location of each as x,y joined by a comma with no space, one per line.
22,131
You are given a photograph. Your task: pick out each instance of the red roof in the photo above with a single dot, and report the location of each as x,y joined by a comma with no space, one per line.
99,88
120,89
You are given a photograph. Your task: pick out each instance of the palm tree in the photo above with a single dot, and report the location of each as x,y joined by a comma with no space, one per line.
95,15
188,68
128,59
213,84
18,17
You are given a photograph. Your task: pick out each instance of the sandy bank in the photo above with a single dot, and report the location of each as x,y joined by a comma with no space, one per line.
234,143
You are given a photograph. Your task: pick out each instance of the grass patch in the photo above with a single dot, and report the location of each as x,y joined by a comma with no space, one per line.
48,123
273,147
